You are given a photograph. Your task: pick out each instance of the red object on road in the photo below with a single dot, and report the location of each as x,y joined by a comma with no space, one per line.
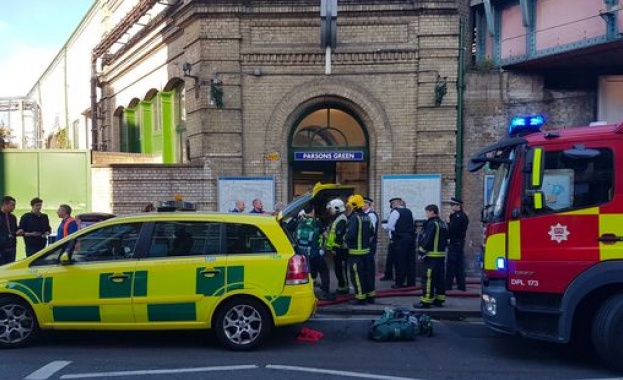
309,335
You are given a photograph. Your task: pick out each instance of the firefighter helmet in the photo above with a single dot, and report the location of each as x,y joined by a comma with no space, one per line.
337,205
355,201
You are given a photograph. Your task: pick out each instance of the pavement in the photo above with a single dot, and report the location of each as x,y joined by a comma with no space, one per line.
459,305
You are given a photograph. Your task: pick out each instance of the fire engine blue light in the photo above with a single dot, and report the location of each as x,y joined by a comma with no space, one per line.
500,263
525,124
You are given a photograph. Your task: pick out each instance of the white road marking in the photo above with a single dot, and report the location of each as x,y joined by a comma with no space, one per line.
48,370
156,372
338,373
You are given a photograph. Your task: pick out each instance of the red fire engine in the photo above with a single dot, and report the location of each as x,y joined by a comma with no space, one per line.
553,256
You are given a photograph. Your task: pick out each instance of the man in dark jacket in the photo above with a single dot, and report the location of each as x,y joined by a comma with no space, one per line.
457,229
402,234
36,227
8,230
433,250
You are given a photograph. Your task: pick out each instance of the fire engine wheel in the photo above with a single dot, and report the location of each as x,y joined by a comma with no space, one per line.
18,323
242,324
607,332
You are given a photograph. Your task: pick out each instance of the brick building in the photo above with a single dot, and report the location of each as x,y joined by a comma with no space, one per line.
236,88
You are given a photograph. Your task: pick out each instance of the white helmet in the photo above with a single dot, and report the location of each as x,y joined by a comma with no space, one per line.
337,205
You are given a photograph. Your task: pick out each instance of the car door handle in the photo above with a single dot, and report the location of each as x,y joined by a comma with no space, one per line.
610,238
210,272
118,277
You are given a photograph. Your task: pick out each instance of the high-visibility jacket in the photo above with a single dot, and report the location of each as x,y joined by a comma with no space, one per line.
337,230
66,227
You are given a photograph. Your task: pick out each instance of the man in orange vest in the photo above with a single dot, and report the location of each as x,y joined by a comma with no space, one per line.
68,224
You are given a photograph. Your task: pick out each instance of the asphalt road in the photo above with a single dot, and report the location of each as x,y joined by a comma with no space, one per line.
459,350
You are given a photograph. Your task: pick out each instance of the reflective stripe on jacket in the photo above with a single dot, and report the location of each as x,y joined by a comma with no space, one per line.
359,233
334,240
435,238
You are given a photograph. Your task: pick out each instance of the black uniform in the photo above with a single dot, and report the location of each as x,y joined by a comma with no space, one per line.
457,228
371,257
31,222
8,228
358,235
433,250
403,238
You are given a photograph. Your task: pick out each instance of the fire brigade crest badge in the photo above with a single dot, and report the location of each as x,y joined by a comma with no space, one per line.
559,233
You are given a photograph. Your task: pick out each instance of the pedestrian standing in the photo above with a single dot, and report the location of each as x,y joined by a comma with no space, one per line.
239,207
8,230
402,233
457,230
336,244
433,251
258,206
68,224
36,227
371,257
359,232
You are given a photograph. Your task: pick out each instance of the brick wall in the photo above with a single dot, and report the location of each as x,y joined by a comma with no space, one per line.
491,100
133,186
389,56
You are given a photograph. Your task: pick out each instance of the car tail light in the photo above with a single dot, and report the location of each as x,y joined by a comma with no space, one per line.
298,270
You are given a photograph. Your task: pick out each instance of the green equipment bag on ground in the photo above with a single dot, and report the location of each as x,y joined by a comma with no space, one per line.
400,324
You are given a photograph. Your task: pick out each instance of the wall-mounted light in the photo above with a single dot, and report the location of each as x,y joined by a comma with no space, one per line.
216,91
187,69
216,85
441,88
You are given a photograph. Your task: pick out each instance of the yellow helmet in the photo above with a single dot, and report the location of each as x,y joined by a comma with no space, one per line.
355,201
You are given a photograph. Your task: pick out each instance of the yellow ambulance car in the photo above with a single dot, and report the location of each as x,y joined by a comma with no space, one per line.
237,274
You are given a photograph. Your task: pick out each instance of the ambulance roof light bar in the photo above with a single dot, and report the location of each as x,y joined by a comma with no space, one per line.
523,125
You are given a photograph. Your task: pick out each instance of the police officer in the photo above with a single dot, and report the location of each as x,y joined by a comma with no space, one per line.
433,250
359,233
457,229
335,243
402,234
371,258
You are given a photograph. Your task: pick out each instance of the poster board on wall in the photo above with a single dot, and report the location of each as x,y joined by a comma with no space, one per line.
418,190
230,189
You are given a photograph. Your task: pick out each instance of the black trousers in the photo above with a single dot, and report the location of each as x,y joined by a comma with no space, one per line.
405,261
358,265
340,265
390,260
371,270
455,267
319,266
433,280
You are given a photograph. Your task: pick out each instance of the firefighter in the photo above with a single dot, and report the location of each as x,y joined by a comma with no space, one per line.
359,233
335,243
432,248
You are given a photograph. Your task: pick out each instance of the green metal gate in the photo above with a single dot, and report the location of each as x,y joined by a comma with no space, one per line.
56,176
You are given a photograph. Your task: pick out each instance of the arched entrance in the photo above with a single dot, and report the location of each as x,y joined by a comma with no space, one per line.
328,144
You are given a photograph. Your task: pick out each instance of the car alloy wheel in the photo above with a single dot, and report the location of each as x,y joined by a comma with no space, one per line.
18,325
242,324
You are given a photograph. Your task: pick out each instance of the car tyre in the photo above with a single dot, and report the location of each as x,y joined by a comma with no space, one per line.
607,332
242,323
18,323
